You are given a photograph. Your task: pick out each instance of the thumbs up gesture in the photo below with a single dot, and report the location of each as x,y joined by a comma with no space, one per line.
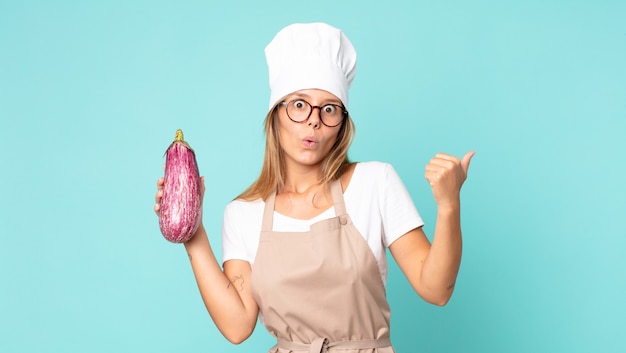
446,175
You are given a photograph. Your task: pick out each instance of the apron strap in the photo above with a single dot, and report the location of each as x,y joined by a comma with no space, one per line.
268,213
321,345
337,194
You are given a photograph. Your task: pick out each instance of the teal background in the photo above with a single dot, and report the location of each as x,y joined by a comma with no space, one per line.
91,94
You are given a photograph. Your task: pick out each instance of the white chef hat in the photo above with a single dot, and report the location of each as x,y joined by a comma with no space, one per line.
308,56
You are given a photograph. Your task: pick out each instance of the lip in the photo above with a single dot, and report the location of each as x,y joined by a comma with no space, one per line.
310,141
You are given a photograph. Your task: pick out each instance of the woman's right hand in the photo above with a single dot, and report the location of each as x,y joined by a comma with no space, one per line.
159,194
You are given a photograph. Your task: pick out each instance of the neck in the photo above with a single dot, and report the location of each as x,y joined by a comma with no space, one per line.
301,179
302,194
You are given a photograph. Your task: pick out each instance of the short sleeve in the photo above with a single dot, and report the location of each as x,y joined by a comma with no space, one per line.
241,227
398,211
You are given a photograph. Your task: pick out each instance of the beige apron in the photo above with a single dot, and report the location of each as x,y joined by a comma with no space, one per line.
321,290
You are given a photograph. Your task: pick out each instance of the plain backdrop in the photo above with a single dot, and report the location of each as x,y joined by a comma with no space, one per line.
91,93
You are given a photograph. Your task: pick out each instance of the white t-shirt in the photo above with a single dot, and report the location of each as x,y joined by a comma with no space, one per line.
376,200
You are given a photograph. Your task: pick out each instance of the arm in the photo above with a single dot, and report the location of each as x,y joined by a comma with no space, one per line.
432,268
226,294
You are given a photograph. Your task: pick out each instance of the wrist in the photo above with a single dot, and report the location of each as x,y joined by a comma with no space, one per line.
449,206
197,236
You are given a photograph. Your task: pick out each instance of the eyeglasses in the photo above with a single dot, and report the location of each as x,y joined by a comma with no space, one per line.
299,110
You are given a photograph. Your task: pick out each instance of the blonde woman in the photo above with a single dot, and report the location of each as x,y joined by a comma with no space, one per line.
304,245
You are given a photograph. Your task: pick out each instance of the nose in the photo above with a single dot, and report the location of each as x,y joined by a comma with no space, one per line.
314,118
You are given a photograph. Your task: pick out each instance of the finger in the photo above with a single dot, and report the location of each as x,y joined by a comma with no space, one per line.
432,177
446,156
160,183
465,162
157,207
158,196
437,168
444,160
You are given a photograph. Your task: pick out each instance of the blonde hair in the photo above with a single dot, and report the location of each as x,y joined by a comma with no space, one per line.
272,176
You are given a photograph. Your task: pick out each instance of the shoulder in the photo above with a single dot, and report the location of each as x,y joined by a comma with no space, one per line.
372,171
372,167
241,209
367,177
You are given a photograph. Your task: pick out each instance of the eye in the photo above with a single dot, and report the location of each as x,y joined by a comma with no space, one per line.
299,104
329,109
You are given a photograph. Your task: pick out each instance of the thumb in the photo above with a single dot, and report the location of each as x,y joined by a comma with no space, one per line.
465,161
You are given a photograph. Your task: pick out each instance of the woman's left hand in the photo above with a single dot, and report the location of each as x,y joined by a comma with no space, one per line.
446,175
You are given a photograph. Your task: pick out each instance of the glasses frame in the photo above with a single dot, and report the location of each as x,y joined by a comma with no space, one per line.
344,112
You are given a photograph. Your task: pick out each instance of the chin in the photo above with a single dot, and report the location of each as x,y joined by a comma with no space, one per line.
308,161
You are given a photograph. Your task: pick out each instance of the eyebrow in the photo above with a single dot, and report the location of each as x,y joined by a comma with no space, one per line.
326,101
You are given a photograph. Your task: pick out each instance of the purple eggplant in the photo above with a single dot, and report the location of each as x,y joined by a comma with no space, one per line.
180,210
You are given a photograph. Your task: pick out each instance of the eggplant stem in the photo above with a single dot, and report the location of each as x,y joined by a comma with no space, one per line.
179,135
178,138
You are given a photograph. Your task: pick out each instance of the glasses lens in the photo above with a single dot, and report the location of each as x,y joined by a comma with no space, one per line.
298,110
332,115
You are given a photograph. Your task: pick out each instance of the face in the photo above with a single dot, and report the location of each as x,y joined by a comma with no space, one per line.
307,143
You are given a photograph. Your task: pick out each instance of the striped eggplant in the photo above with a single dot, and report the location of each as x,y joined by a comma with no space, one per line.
181,205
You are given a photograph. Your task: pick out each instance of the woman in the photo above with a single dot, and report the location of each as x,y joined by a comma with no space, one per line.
304,245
